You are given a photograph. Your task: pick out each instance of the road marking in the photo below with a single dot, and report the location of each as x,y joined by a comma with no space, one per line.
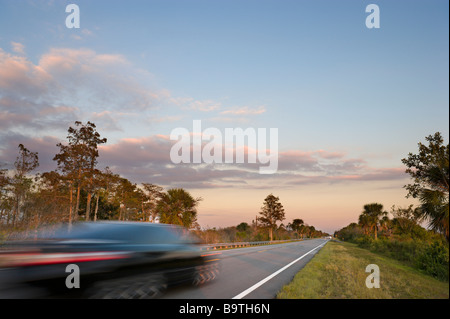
213,260
260,283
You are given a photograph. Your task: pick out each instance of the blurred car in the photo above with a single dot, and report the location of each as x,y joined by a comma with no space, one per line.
112,259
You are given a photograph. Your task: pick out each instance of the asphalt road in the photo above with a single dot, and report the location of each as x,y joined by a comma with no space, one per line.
254,272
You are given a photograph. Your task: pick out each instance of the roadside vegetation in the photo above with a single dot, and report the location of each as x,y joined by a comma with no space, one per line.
264,227
81,189
337,271
413,260
402,237
245,232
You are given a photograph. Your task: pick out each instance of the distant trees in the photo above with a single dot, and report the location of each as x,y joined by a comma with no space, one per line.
298,225
271,212
350,232
243,227
430,172
244,232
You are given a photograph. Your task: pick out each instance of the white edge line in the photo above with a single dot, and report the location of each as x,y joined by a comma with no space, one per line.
260,283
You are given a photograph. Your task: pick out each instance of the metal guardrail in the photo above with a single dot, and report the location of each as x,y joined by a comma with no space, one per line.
245,244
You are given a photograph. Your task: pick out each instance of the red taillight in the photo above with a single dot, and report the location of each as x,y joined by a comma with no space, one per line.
36,259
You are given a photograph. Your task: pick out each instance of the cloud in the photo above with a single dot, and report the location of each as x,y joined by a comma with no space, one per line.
44,98
68,84
70,74
369,175
112,120
18,48
25,115
71,84
197,105
99,81
166,119
45,147
245,110
147,159
295,160
8,120
84,33
20,78
330,155
228,119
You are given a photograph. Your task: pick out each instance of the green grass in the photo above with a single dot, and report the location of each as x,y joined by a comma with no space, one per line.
337,271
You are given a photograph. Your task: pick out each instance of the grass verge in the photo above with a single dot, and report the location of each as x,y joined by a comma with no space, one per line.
337,271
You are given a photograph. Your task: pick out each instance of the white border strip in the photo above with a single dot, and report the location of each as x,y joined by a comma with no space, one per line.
258,284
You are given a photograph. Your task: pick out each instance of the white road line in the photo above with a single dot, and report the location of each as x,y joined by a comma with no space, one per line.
258,284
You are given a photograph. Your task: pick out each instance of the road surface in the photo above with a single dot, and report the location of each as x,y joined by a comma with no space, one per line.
255,272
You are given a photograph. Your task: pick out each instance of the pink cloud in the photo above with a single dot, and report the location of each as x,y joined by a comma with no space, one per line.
68,85
147,159
330,155
18,76
45,146
8,120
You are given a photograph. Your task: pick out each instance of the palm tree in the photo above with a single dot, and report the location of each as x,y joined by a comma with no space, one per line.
384,223
364,222
371,216
178,207
435,207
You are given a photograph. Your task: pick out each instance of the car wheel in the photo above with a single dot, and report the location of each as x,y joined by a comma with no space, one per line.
205,273
137,287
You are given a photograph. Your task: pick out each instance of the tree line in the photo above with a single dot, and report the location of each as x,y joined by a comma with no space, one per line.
429,170
403,236
266,226
78,190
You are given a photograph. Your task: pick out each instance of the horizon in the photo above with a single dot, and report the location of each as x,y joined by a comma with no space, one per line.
348,102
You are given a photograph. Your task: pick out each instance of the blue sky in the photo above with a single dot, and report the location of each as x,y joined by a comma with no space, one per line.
349,99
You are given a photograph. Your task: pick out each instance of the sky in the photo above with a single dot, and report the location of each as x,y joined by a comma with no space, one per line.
348,101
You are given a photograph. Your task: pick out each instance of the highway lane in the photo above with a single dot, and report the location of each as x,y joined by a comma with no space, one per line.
254,272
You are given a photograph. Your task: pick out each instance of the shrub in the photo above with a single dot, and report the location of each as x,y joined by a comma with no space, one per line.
434,260
364,241
430,256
